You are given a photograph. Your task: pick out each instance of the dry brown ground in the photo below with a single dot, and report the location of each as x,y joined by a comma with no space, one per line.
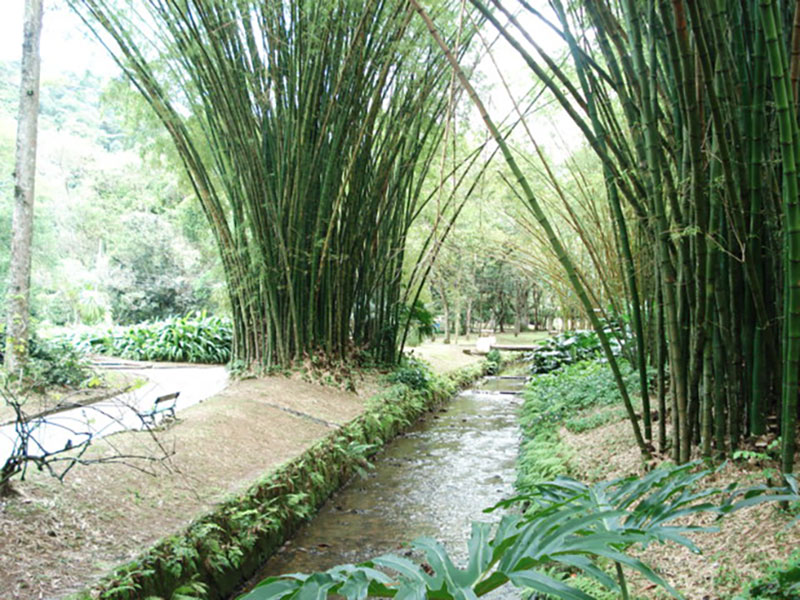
746,544
449,357
58,538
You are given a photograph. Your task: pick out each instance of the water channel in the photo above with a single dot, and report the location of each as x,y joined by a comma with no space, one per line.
431,481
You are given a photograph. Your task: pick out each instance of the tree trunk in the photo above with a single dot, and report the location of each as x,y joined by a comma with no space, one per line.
468,325
446,309
520,308
457,321
24,175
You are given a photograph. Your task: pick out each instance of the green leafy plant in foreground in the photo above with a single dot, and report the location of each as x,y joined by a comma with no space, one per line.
568,527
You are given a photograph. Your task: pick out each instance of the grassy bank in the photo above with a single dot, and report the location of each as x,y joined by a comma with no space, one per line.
577,398
574,425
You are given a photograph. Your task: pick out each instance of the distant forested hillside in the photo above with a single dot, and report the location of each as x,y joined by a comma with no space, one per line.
118,236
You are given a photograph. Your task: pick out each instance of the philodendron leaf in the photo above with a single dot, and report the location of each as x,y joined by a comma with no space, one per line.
480,552
412,590
406,568
316,587
547,585
588,567
356,587
445,573
645,570
272,588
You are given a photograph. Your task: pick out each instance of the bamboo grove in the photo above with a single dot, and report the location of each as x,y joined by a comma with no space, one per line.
306,128
691,107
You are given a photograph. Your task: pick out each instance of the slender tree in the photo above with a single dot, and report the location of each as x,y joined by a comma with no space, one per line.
18,310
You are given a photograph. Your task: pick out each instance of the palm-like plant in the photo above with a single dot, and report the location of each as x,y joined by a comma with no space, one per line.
567,525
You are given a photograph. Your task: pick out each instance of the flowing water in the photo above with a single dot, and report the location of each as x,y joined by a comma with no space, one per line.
431,481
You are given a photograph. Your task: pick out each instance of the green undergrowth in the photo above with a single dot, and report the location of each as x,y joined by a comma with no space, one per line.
197,338
579,397
582,397
53,363
218,551
780,582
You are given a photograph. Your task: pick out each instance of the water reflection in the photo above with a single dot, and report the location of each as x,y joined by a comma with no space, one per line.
432,481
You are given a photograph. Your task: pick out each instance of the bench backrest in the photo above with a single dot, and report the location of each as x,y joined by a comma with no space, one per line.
167,398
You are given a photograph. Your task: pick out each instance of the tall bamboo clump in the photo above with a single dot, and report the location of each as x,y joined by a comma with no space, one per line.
306,128
692,109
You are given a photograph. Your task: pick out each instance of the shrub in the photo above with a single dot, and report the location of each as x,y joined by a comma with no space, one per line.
53,362
420,322
412,372
196,339
494,361
781,582
568,348
57,362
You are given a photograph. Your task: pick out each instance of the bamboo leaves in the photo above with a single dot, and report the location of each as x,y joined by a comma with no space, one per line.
304,127
673,98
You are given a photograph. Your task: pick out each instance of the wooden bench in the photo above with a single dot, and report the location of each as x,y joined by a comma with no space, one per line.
162,405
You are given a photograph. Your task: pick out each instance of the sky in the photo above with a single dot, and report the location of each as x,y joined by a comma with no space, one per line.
66,46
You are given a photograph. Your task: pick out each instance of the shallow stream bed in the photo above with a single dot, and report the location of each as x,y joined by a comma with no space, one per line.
431,481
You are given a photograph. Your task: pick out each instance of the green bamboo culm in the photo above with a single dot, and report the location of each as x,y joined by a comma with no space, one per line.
685,104
306,128
788,131
534,206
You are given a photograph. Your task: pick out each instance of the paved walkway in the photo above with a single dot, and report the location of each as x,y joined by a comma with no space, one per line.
75,426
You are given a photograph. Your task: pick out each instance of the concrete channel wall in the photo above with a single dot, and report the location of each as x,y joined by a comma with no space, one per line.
226,547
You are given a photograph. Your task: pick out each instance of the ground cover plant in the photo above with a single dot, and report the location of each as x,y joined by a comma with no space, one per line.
560,398
412,372
194,338
780,582
52,362
568,348
56,362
